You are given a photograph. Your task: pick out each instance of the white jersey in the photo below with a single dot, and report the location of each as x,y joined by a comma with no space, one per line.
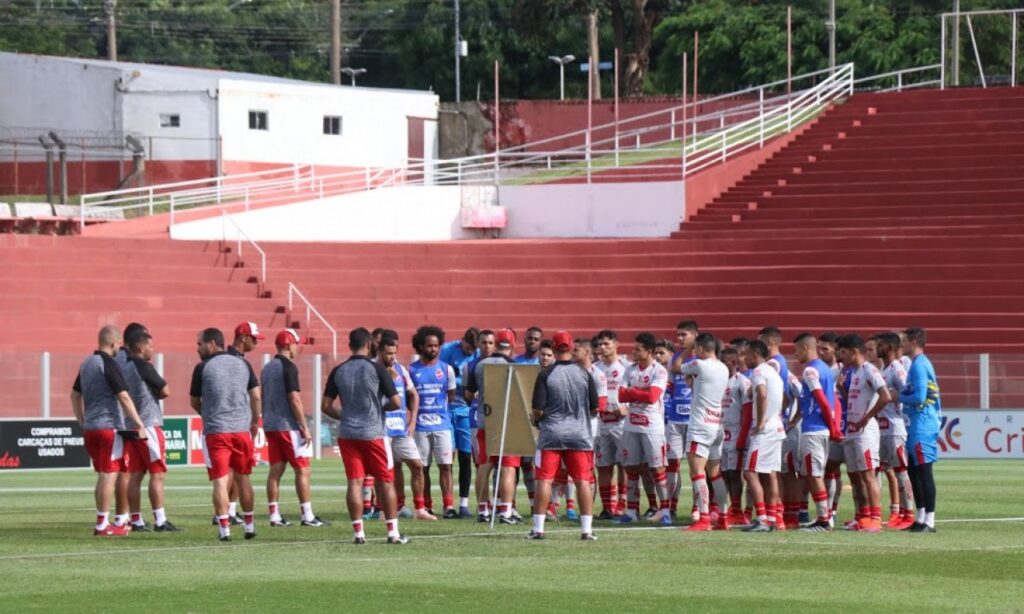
794,388
864,383
891,417
736,394
710,381
906,361
601,383
614,374
766,375
646,417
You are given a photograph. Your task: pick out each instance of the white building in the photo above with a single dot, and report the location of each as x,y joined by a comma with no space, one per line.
197,122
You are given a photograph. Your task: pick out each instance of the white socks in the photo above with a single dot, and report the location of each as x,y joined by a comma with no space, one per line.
275,511
929,519
586,523
159,517
307,511
538,523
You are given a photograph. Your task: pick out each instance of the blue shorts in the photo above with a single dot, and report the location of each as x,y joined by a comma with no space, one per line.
460,429
922,451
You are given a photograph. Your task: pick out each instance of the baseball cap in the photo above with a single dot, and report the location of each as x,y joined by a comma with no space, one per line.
249,328
287,337
562,340
505,338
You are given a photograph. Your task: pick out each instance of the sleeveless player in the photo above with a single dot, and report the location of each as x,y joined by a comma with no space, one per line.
762,429
709,380
862,439
643,436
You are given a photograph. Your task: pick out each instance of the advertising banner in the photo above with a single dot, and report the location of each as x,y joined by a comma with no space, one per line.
982,434
42,444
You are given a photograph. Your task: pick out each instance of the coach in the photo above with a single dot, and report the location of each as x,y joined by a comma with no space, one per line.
226,393
360,384
564,401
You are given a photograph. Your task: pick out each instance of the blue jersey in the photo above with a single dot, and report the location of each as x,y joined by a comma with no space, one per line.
395,420
780,364
433,383
682,396
816,376
921,402
668,399
452,355
523,359
847,376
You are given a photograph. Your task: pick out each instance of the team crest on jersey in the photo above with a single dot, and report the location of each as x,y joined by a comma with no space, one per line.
647,379
439,374
615,373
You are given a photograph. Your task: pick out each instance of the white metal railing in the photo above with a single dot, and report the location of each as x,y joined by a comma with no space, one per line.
311,310
225,217
908,78
754,124
232,189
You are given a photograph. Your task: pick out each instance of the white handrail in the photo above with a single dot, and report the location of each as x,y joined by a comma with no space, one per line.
292,288
899,75
241,233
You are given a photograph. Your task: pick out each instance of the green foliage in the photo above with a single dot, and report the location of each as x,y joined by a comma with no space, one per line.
410,43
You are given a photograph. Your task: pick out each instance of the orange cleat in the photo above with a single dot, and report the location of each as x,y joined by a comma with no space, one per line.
704,524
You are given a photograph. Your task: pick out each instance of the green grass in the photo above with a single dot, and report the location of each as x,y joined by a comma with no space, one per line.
49,561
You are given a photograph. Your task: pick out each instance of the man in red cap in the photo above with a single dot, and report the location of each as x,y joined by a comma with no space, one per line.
284,423
564,401
246,336
505,341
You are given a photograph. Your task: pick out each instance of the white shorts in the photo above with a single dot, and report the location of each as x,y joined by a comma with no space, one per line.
704,444
608,448
404,449
764,455
813,453
892,452
861,452
643,448
436,445
732,460
791,451
675,440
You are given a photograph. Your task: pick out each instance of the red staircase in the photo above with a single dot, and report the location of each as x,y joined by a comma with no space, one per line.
891,210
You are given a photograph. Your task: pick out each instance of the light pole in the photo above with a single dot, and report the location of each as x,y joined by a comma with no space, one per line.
352,72
561,61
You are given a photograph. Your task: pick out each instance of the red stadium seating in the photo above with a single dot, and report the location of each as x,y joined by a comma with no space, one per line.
891,210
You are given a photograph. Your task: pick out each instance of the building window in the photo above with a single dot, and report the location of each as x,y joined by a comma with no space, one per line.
332,125
169,120
258,120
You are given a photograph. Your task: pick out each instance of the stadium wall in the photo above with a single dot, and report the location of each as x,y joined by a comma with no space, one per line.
419,213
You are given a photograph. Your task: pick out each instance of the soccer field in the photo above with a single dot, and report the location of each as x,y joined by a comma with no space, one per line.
50,561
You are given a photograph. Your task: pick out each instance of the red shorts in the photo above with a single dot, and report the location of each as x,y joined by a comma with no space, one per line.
146,455
286,446
364,457
482,457
106,449
226,452
579,464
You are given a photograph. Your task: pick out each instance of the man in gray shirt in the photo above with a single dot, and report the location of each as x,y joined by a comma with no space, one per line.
564,401
226,394
359,385
98,397
284,423
147,389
